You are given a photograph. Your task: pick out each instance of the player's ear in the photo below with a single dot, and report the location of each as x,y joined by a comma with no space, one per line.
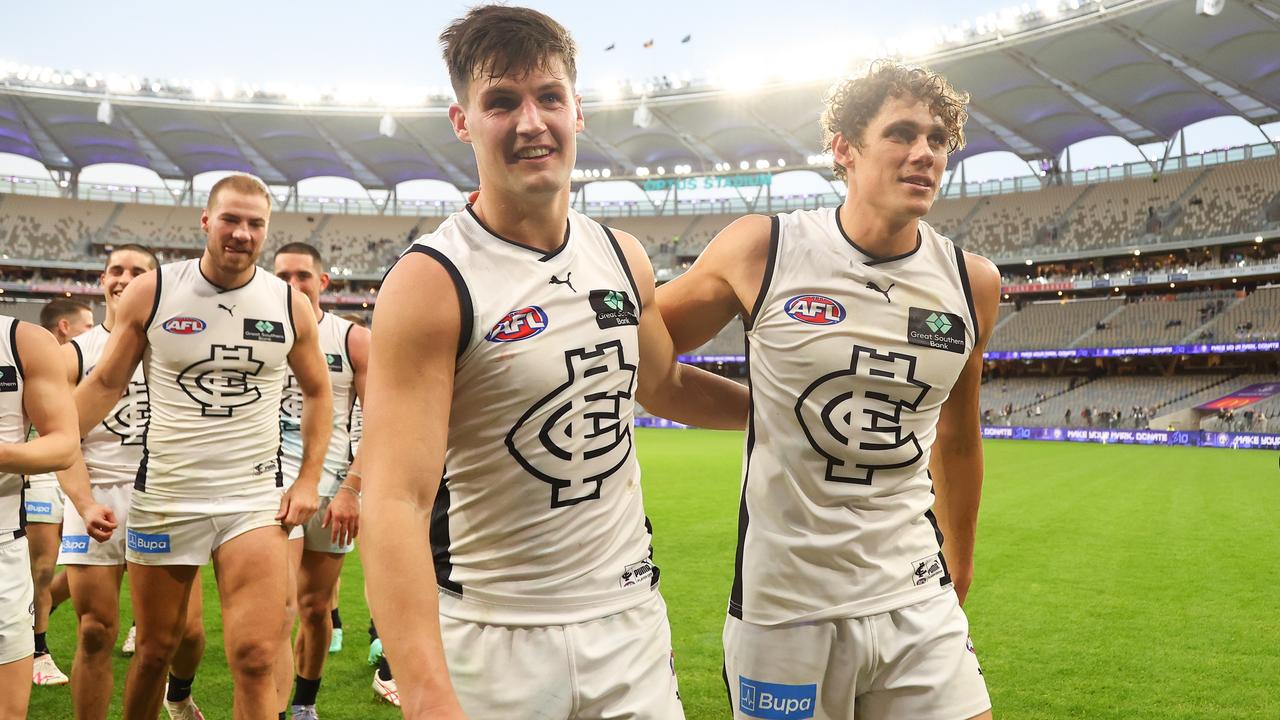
458,118
843,151
204,220
324,281
580,123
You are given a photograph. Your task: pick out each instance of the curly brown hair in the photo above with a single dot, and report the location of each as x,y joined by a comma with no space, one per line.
852,102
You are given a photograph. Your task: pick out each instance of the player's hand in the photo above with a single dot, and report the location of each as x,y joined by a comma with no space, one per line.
99,521
343,518
297,506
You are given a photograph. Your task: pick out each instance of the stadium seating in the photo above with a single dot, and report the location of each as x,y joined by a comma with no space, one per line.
1257,317
1156,395
1121,213
1232,198
1015,223
49,228
1159,320
1052,324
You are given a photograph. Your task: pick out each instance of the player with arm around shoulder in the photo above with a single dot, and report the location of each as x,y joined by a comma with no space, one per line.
33,392
499,423
865,330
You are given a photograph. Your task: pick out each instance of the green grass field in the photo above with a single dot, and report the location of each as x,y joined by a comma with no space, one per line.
1112,582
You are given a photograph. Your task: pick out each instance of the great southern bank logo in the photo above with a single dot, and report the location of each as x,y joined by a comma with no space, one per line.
519,325
814,310
776,701
148,544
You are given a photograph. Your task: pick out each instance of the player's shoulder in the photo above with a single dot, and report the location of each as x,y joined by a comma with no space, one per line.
745,239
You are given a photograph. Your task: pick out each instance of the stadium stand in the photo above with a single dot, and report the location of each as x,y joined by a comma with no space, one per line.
1053,324
1160,319
1233,198
1125,401
1256,317
1120,213
48,228
1013,224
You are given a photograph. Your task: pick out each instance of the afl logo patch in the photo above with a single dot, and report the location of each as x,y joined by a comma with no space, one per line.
519,325
814,310
183,325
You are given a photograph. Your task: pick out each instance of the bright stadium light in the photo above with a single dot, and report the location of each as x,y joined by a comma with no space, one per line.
387,126
662,170
1258,239
744,165
642,171
606,172
762,164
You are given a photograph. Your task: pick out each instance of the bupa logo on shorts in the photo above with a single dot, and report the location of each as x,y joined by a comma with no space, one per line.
147,544
35,507
8,378
75,544
184,325
613,308
814,310
776,701
519,325
263,330
936,329
334,360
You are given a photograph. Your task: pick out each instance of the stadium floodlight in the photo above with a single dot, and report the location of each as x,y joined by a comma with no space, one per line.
105,112
662,170
1027,261
744,165
782,162
642,171
387,126
762,164
1209,8
1258,239
606,172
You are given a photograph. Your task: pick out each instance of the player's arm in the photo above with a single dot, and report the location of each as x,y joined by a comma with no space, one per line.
956,463
74,481
47,402
312,372
343,516
99,392
406,420
722,284
669,388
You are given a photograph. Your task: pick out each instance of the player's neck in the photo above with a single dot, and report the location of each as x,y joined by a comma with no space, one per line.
536,222
109,321
225,281
878,234
315,310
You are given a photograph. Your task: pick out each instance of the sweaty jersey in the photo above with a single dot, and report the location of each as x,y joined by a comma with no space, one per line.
113,448
13,428
214,365
539,518
850,358
333,343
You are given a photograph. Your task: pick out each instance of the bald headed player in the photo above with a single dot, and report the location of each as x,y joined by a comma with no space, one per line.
216,335
32,393
865,330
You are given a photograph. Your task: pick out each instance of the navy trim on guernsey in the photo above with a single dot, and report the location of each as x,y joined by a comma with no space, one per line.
288,304
466,311
626,267
545,255
13,343
653,576
744,515
79,360
875,260
221,289
775,229
22,510
439,536
155,303
968,293
346,350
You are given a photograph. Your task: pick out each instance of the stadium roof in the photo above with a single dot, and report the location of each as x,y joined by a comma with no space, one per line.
1138,69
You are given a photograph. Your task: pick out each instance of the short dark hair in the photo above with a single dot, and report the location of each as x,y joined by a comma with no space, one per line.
301,248
495,41
134,247
59,308
852,103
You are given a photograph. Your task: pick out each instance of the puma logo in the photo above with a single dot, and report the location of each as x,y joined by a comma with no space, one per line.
566,281
228,309
884,292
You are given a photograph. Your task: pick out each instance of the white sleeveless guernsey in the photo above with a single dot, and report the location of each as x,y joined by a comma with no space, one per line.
113,448
214,366
13,428
850,359
539,518
333,343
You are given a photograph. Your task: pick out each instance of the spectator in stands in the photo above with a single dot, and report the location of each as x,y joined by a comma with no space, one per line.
1066,419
